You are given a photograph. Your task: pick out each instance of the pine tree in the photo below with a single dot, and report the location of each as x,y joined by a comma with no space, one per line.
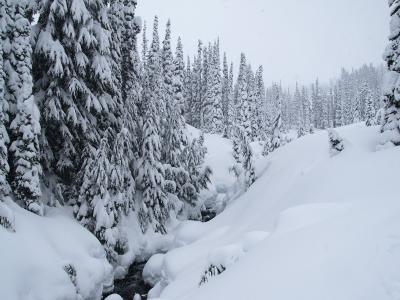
338,108
260,112
167,62
95,208
131,78
243,155
225,93
299,107
206,99
193,157
74,82
370,110
6,214
231,109
188,92
356,118
276,138
179,78
122,183
25,127
197,81
4,139
391,126
155,208
215,117
242,98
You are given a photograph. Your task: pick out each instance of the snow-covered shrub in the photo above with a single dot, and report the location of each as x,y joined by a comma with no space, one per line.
220,259
211,272
336,142
71,272
6,217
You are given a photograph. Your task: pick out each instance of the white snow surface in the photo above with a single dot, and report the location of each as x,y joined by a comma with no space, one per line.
313,227
32,259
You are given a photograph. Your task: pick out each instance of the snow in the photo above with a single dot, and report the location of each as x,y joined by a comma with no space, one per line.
32,259
312,227
114,297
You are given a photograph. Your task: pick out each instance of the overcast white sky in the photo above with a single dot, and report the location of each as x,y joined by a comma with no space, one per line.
295,40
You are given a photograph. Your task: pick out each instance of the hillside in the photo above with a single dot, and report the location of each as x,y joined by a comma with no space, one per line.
312,227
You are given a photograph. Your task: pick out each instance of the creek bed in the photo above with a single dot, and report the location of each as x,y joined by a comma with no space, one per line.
132,284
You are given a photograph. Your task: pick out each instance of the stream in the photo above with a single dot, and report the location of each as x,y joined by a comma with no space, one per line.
132,284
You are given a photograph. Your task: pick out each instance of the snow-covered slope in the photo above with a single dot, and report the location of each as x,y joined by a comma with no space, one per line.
35,259
313,227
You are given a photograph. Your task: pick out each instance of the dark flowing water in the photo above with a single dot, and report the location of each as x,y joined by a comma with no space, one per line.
132,284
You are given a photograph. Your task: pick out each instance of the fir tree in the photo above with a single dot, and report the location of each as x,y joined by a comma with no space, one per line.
95,208
225,93
242,98
25,128
260,112
197,81
4,139
193,157
276,138
73,82
179,78
188,92
370,110
131,78
391,125
150,173
215,118
231,109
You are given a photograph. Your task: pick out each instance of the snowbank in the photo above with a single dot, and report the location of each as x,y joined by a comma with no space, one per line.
34,260
312,227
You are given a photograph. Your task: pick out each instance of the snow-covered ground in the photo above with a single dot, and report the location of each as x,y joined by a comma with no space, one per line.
35,259
313,227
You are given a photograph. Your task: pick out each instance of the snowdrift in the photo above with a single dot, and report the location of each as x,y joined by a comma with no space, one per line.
35,259
313,227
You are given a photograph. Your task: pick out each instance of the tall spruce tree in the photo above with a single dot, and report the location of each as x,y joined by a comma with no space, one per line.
25,127
155,207
4,138
215,118
225,93
391,125
73,82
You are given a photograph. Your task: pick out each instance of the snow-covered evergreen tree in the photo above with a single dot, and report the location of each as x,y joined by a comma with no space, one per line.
188,91
215,117
25,127
131,78
121,181
4,139
231,109
193,157
243,105
370,112
95,208
391,126
74,84
197,82
150,177
260,111
276,137
178,81
243,155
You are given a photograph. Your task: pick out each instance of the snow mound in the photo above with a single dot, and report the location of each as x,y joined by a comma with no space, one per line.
50,258
312,227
